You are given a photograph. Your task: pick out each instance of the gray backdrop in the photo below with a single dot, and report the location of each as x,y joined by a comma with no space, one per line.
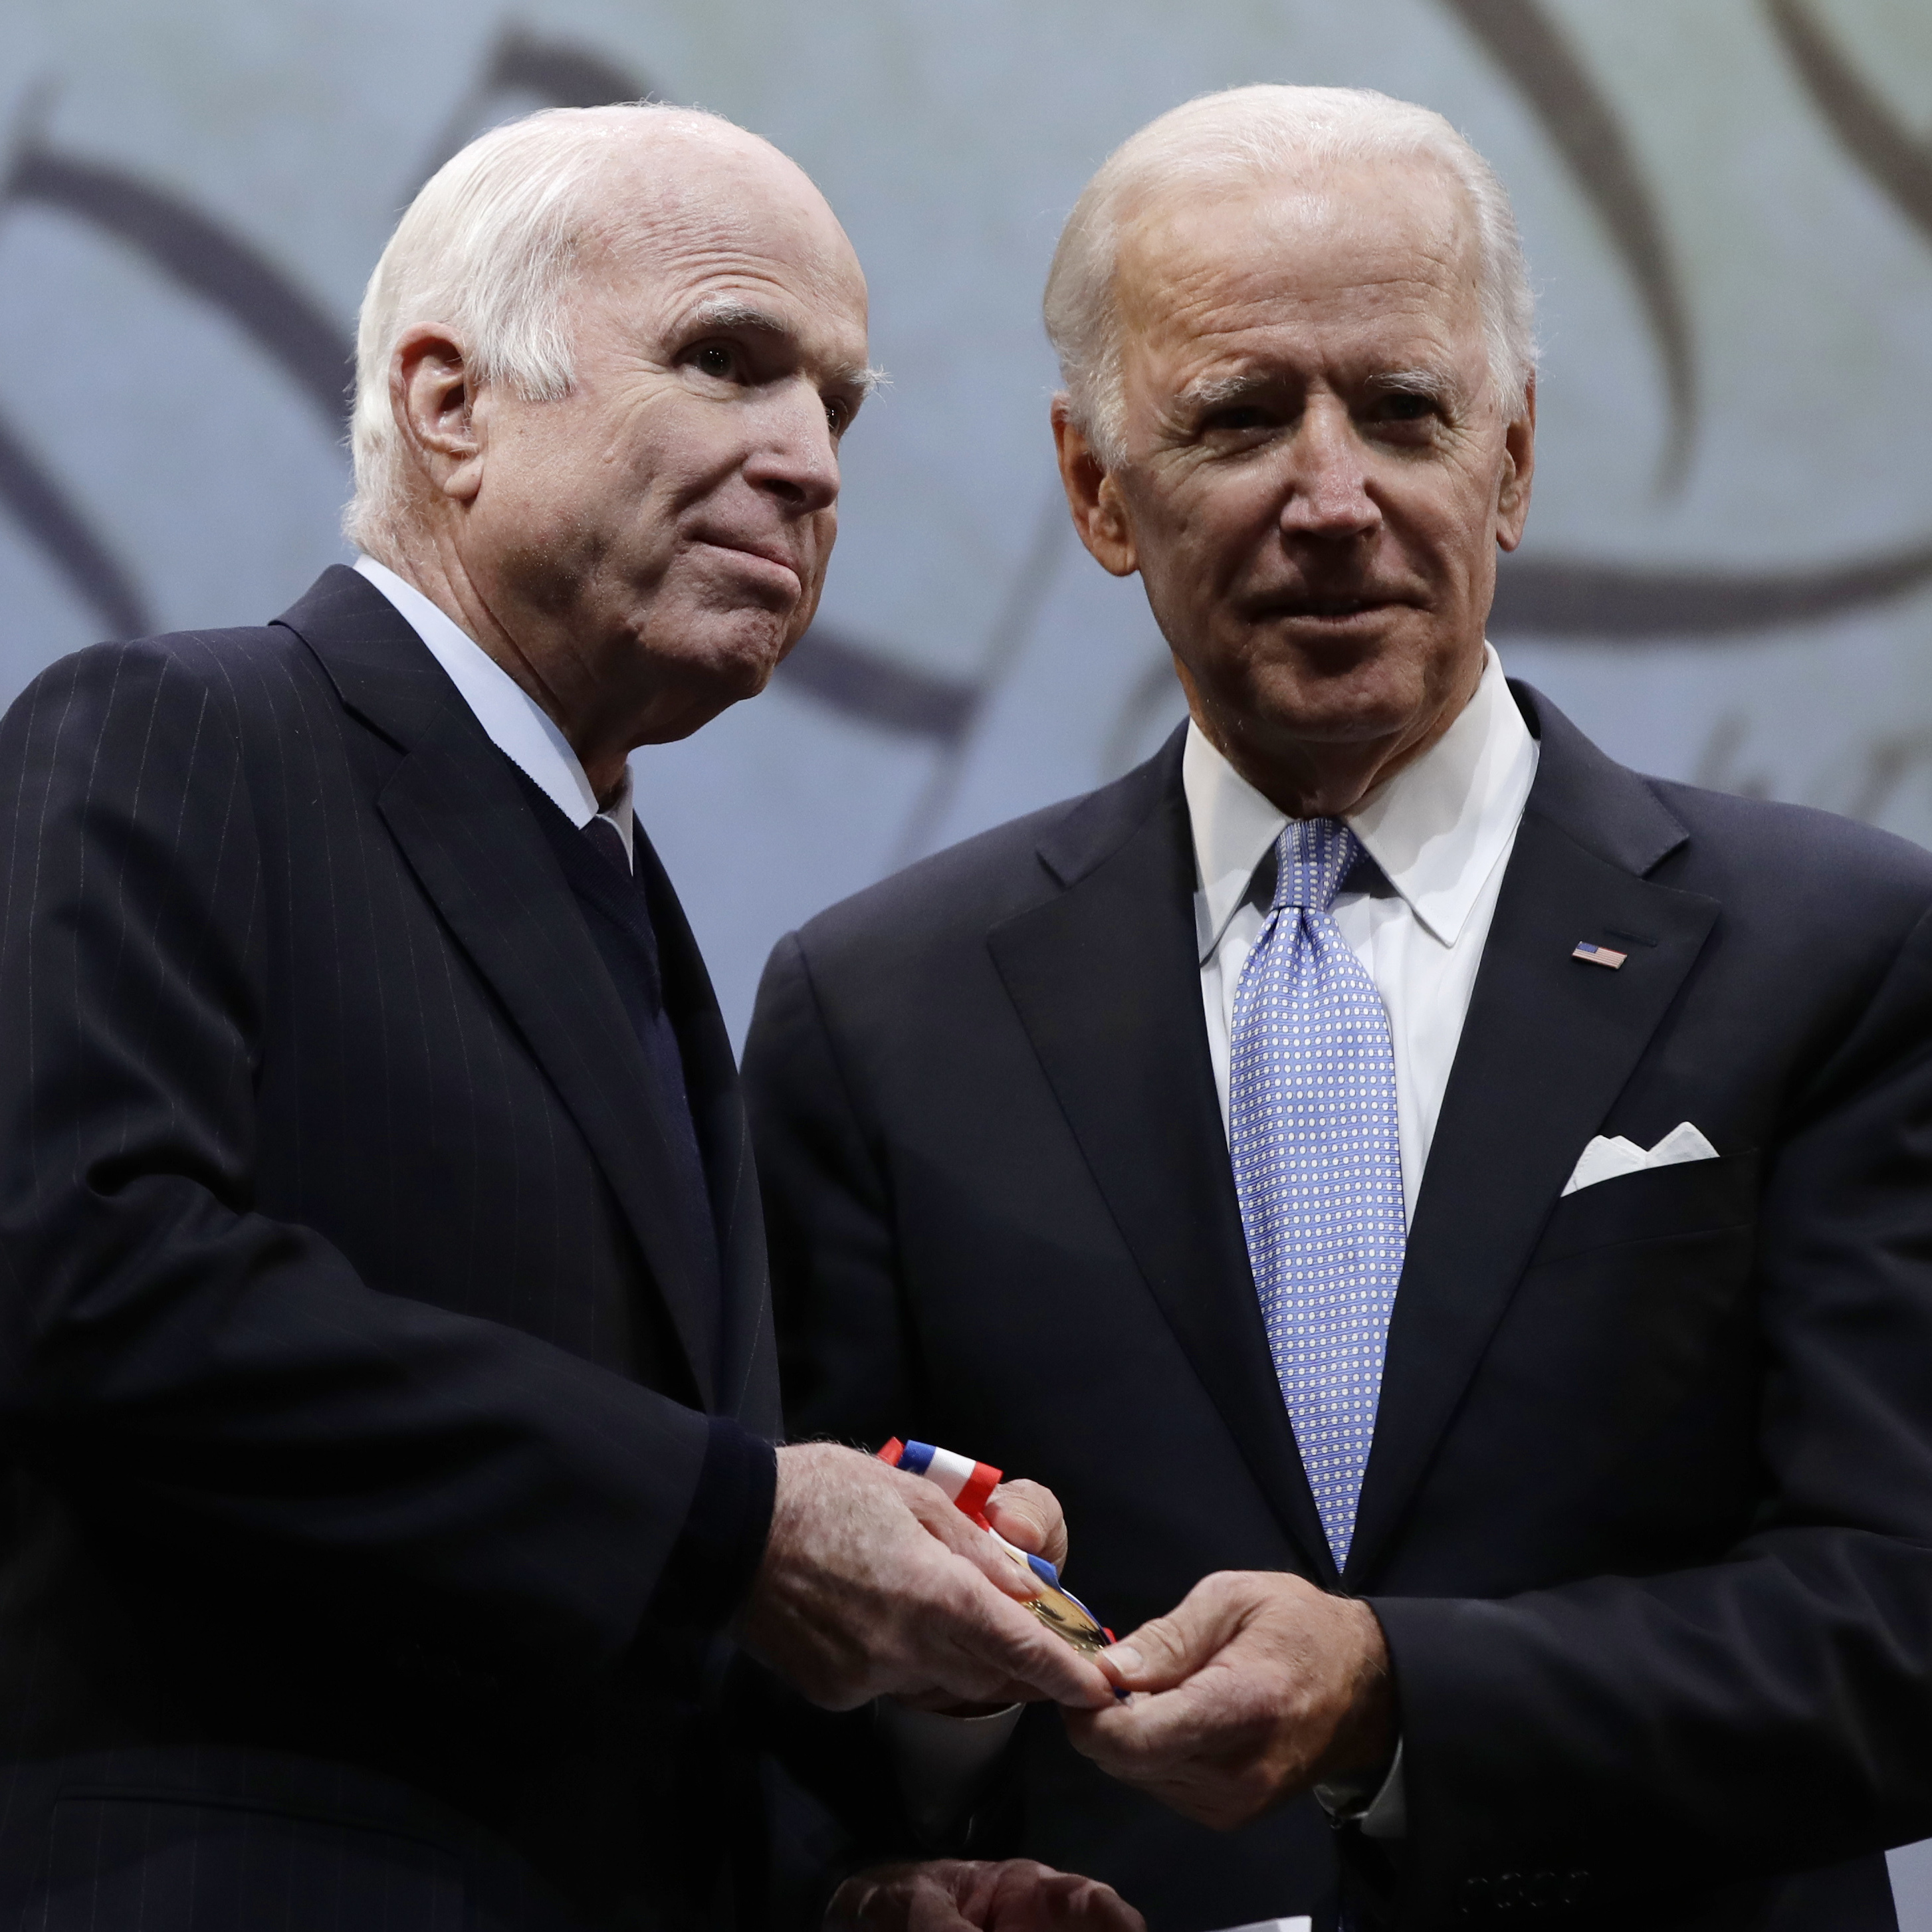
1728,206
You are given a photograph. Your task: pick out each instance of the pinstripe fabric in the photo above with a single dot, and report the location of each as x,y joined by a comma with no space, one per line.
348,1376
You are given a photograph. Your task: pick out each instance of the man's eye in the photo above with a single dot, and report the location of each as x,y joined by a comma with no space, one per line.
715,359
837,415
1406,405
1236,419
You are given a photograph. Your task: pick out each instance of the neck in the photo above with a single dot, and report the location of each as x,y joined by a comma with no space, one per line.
434,565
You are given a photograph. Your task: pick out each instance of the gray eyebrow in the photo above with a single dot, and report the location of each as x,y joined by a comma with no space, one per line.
728,312
1218,390
1436,384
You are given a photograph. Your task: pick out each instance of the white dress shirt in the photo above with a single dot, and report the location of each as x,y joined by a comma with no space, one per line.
1441,831
518,726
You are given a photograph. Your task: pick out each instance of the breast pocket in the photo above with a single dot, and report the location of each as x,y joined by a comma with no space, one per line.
1625,1370
1693,1197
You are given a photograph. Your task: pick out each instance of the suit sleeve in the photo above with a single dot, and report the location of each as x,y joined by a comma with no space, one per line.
1773,1709
217,1382
845,1361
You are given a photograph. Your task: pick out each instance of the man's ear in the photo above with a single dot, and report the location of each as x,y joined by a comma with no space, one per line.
433,399
1093,496
1519,458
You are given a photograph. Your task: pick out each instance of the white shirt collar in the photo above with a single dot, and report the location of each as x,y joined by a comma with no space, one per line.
518,726
1436,828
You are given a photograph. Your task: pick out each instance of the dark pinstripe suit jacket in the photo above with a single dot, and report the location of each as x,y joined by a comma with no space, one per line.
352,1375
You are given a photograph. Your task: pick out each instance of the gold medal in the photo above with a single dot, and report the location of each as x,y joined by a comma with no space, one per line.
1070,1619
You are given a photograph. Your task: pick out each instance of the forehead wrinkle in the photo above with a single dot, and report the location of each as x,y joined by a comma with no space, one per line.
1421,248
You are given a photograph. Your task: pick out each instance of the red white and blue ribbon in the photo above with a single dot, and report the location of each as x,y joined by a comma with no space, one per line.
969,1484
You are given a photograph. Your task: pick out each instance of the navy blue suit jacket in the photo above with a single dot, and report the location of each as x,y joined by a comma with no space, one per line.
1648,1519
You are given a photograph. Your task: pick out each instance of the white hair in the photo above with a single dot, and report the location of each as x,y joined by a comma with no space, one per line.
486,249
1253,134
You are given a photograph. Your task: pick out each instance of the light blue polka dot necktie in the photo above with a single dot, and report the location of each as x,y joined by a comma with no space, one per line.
1317,1165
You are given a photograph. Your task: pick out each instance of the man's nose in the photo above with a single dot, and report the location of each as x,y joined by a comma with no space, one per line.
1328,483
795,457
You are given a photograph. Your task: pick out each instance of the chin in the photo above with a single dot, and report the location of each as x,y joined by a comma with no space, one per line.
717,674
1367,702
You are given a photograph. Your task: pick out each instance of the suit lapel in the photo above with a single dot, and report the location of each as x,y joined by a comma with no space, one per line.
453,805
1107,985
1549,1042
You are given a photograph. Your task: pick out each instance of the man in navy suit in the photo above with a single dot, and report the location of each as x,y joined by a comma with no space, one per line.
1453,1214
386,1371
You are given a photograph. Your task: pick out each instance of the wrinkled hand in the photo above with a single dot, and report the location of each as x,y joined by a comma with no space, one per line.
873,1583
1028,1515
955,1896
1261,1686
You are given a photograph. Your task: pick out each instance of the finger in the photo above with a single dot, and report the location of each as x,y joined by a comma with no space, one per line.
1215,1722
1167,1651
1086,1905
1029,1514
902,1898
1021,1896
1030,1898
1099,1908
964,1537
1020,1657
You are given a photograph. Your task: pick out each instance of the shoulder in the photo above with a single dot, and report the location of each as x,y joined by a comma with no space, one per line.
952,900
261,668
1807,861
1783,873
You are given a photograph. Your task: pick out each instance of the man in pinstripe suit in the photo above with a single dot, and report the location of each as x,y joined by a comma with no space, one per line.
385,1372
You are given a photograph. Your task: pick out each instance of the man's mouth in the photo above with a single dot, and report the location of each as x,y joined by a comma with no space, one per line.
1338,606
765,552
1333,608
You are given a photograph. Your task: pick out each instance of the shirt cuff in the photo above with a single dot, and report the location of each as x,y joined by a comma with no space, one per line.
717,1554
942,1763
1380,1810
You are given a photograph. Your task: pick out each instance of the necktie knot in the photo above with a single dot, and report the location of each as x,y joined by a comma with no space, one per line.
1312,857
607,842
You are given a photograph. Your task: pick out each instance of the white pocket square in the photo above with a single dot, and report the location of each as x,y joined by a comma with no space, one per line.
1604,1160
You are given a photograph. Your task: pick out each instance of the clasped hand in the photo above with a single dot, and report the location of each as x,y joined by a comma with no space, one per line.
1257,1687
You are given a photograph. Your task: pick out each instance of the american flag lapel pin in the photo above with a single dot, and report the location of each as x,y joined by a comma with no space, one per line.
1599,955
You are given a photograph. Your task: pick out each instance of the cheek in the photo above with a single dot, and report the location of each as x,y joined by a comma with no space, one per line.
534,487
1207,533
1448,523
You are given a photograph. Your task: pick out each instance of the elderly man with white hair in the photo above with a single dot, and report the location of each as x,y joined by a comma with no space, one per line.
1454,1213
387,1377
